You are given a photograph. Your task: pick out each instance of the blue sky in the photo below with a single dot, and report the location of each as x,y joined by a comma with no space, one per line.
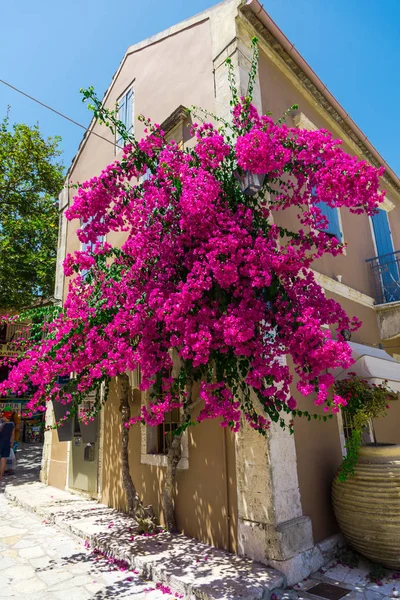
51,49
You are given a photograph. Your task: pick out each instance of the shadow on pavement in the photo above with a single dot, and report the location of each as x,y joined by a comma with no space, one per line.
29,457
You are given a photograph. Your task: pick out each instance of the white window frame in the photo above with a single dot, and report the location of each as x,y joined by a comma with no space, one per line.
303,122
342,436
148,441
341,229
148,436
118,148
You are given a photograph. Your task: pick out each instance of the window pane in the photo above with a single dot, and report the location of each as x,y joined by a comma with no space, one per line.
332,216
129,110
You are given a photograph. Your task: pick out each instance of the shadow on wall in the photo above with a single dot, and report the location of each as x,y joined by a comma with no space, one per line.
206,501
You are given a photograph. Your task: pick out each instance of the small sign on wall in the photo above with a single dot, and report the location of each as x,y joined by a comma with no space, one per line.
7,350
11,407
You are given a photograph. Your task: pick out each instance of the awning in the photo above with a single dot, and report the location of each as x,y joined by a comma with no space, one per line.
372,364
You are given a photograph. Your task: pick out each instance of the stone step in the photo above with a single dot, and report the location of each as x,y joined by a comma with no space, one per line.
189,567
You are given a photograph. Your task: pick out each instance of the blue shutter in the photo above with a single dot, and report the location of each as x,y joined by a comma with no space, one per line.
383,239
332,214
387,262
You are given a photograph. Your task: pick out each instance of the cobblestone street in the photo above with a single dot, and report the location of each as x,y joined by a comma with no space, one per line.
38,561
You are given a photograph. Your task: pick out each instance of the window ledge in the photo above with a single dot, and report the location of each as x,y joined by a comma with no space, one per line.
160,460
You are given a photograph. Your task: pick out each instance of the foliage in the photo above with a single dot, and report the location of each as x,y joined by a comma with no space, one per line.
30,180
377,574
364,402
204,271
349,558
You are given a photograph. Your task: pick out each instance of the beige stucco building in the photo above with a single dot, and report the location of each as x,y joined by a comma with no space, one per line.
268,499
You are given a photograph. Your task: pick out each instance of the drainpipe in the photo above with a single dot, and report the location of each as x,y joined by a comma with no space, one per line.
258,10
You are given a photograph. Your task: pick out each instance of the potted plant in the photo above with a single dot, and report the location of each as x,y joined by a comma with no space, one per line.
366,490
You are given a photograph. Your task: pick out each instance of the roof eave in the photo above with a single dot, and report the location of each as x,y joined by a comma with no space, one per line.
254,11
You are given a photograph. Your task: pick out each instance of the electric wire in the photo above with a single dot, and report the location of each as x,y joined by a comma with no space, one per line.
58,113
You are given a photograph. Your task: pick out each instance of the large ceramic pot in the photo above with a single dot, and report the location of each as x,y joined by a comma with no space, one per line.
367,505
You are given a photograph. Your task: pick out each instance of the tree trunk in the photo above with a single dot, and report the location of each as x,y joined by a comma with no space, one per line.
135,505
174,456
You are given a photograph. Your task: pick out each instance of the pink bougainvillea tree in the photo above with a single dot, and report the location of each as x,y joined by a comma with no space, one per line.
204,271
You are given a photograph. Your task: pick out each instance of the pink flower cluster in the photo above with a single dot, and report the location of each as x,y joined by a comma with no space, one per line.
263,150
205,272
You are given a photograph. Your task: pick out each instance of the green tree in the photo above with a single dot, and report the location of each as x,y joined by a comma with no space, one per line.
31,178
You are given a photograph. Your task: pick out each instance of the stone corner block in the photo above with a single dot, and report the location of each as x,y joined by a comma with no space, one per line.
301,566
264,542
295,536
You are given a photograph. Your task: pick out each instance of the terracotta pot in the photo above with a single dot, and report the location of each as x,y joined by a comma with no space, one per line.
367,505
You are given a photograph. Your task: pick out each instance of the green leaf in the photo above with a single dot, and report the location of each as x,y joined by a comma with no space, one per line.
31,178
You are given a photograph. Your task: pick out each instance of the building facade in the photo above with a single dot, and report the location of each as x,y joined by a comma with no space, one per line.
265,498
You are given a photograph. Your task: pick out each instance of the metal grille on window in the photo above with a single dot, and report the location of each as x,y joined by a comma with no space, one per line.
367,435
347,425
165,431
86,406
125,114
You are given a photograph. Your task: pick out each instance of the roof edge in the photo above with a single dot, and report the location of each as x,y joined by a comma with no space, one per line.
158,37
336,110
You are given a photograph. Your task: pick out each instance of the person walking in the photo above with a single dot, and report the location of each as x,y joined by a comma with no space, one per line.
7,429
16,419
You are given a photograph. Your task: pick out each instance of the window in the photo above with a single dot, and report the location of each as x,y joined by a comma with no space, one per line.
125,113
165,431
13,332
89,246
346,429
387,260
333,217
161,442
332,214
145,176
155,441
347,426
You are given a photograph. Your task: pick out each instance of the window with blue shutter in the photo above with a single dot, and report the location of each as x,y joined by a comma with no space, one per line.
332,215
388,268
125,113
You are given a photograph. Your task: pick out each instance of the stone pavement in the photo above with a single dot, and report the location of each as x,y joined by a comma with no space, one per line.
44,556
385,584
40,562
188,567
